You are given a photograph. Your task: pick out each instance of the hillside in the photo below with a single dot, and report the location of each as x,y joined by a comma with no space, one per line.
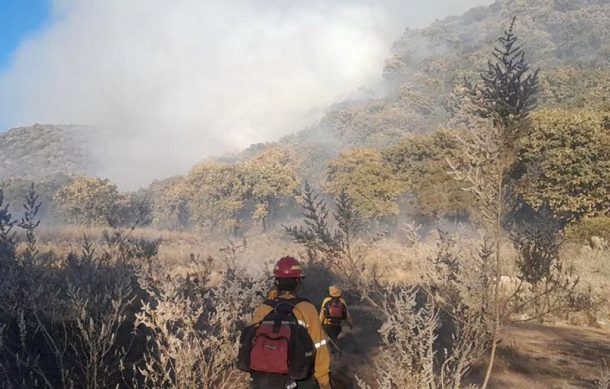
568,39
424,76
45,150
467,227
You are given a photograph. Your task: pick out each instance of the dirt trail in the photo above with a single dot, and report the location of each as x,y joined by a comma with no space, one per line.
357,349
536,356
532,356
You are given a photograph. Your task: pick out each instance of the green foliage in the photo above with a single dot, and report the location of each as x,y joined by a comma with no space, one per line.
86,200
16,188
224,195
131,209
426,65
93,201
572,87
271,178
7,235
566,158
368,181
421,161
508,91
216,193
589,227
272,173
170,207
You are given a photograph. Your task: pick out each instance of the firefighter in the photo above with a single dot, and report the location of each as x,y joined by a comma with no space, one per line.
288,275
334,312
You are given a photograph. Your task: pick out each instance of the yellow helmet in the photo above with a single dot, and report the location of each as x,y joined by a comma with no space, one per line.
334,291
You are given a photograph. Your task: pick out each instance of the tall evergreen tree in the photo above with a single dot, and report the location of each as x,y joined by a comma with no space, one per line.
508,89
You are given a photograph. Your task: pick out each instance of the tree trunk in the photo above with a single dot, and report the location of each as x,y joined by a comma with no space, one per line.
498,276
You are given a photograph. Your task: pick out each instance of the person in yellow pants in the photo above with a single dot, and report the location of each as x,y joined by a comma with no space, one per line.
334,312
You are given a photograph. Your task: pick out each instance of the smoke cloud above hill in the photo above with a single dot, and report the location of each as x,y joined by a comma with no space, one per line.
172,82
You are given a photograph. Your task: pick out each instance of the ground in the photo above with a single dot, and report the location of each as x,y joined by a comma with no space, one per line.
537,356
531,355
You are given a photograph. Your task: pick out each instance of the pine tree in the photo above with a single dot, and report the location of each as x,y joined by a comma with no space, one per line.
506,95
7,235
348,221
508,90
29,223
315,235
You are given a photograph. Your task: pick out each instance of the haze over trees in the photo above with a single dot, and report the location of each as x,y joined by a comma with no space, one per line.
474,194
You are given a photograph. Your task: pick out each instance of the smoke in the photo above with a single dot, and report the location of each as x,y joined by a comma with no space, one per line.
171,82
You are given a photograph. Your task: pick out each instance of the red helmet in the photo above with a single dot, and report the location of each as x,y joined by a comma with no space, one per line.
288,267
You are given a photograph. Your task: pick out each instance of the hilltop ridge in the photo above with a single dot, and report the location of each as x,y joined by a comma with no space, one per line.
44,150
568,39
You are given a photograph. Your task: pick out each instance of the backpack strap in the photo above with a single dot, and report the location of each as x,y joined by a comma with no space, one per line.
271,303
292,303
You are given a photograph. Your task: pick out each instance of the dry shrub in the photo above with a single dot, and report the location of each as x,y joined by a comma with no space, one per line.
429,340
594,271
433,333
409,355
65,327
192,330
115,316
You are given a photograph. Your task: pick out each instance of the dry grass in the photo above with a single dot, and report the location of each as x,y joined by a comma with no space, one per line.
182,282
398,262
593,267
551,356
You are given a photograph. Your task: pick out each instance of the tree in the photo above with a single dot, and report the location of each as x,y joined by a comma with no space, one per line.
7,235
29,222
421,161
337,249
508,92
16,188
170,206
271,179
132,209
504,98
576,87
216,194
565,159
368,181
315,234
87,200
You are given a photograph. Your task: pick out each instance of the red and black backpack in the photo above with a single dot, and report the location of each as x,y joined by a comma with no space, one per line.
278,344
335,311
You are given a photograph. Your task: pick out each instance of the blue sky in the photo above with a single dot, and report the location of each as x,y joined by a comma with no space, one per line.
18,19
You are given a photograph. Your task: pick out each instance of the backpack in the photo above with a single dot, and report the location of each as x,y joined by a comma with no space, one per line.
278,344
335,311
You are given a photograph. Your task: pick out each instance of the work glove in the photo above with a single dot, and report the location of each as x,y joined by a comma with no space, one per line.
326,386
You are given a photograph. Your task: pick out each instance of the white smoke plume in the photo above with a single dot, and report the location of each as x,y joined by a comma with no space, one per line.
172,82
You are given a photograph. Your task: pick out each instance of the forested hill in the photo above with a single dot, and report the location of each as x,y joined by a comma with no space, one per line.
364,146
568,39
45,150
